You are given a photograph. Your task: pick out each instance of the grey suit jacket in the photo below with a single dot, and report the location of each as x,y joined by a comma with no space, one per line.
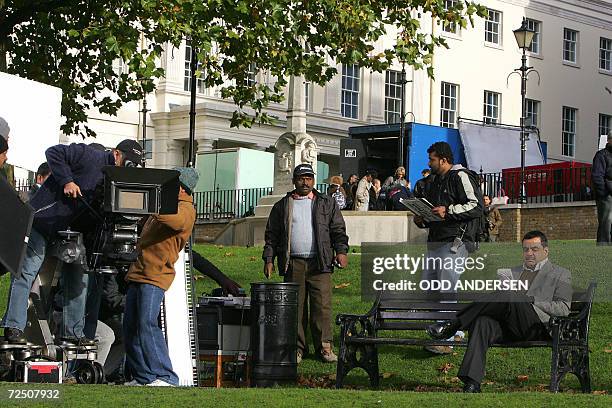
551,290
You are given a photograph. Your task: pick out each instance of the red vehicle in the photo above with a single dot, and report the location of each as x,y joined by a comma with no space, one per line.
563,181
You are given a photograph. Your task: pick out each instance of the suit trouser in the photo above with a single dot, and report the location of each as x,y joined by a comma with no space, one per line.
494,322
315,291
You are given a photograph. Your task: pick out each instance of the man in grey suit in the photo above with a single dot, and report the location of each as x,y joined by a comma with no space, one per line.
517,317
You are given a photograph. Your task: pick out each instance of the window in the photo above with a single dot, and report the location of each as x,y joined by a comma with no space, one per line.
250,74
570,45
605,124
120,67
605,54
307,95
568,139
536,26
491,107
493,27
350,91
449,95
393,96
148,148
187,73
452,26
532,109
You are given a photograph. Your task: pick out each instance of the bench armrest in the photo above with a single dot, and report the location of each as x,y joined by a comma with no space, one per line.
569,329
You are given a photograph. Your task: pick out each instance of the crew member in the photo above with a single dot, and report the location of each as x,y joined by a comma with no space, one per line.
602,182
76,170
150,276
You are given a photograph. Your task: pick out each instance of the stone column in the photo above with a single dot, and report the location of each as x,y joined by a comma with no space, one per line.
204,146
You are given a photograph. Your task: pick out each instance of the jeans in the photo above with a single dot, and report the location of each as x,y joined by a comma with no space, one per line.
442,274
604,217
146,352
74,284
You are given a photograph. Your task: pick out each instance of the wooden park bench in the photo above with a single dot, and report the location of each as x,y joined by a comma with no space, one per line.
361,334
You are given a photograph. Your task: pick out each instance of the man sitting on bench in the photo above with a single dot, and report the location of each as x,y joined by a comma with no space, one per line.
525,318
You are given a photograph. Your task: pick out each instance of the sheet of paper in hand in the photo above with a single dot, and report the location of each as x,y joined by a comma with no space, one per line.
421,207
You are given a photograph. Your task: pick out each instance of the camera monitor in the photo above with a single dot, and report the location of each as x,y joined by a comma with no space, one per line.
132,190
15,224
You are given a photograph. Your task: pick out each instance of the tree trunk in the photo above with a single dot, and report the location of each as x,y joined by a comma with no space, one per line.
3,55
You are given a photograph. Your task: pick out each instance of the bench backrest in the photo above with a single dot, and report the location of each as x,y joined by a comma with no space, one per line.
397,314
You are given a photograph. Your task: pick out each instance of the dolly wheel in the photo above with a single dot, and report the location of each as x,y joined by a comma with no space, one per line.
101,377
87,373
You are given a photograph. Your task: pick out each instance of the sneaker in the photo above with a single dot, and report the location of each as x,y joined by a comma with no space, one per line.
14,336
133,383
160,383
299,356
327,354
439,349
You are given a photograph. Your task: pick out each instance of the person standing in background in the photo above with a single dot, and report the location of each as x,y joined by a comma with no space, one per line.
602,183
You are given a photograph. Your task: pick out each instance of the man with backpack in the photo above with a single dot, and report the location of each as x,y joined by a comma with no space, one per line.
457,200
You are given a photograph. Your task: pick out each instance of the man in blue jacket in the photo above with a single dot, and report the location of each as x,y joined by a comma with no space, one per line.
76,170
602,183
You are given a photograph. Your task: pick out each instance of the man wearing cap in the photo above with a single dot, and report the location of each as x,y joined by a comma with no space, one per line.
602,183
307,236
76,170
149,277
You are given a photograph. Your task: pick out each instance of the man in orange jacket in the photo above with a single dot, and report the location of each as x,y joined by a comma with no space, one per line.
149,277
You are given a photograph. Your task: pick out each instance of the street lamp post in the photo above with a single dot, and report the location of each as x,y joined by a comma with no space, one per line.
144,128
524,37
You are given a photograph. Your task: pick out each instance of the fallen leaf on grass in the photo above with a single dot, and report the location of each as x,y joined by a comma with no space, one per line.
445,368
219,246
522,378
608,351
600,392
342,285
488,382
387,375
455,380
253,258
228,254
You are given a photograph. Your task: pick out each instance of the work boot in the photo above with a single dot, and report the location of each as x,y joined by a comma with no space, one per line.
443,330
14,336
327,354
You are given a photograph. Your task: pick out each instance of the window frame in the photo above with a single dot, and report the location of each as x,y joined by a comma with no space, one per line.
492,23
349,101
200,85
606,59
487,108
538,105
536,26
393,98
445,111
568,131
570,41
602,128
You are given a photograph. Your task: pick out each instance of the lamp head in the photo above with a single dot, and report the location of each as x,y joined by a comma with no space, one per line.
524,36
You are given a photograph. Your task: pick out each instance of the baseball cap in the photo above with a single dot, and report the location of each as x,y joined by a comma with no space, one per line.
131,150
4,128
303,169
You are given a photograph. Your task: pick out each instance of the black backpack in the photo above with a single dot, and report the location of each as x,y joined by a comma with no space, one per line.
477,228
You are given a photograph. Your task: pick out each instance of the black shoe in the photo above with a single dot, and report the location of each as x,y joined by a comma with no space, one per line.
14,336
443,330
471,387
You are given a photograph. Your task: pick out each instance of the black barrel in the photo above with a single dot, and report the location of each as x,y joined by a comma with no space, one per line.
274,327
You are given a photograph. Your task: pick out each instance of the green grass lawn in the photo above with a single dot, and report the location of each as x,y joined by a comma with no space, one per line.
403,368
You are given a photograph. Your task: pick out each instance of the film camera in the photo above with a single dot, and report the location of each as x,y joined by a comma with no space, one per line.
129,194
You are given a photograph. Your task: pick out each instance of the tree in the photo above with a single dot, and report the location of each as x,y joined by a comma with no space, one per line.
72,44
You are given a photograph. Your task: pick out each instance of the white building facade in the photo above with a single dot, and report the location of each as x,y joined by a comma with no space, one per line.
571,105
